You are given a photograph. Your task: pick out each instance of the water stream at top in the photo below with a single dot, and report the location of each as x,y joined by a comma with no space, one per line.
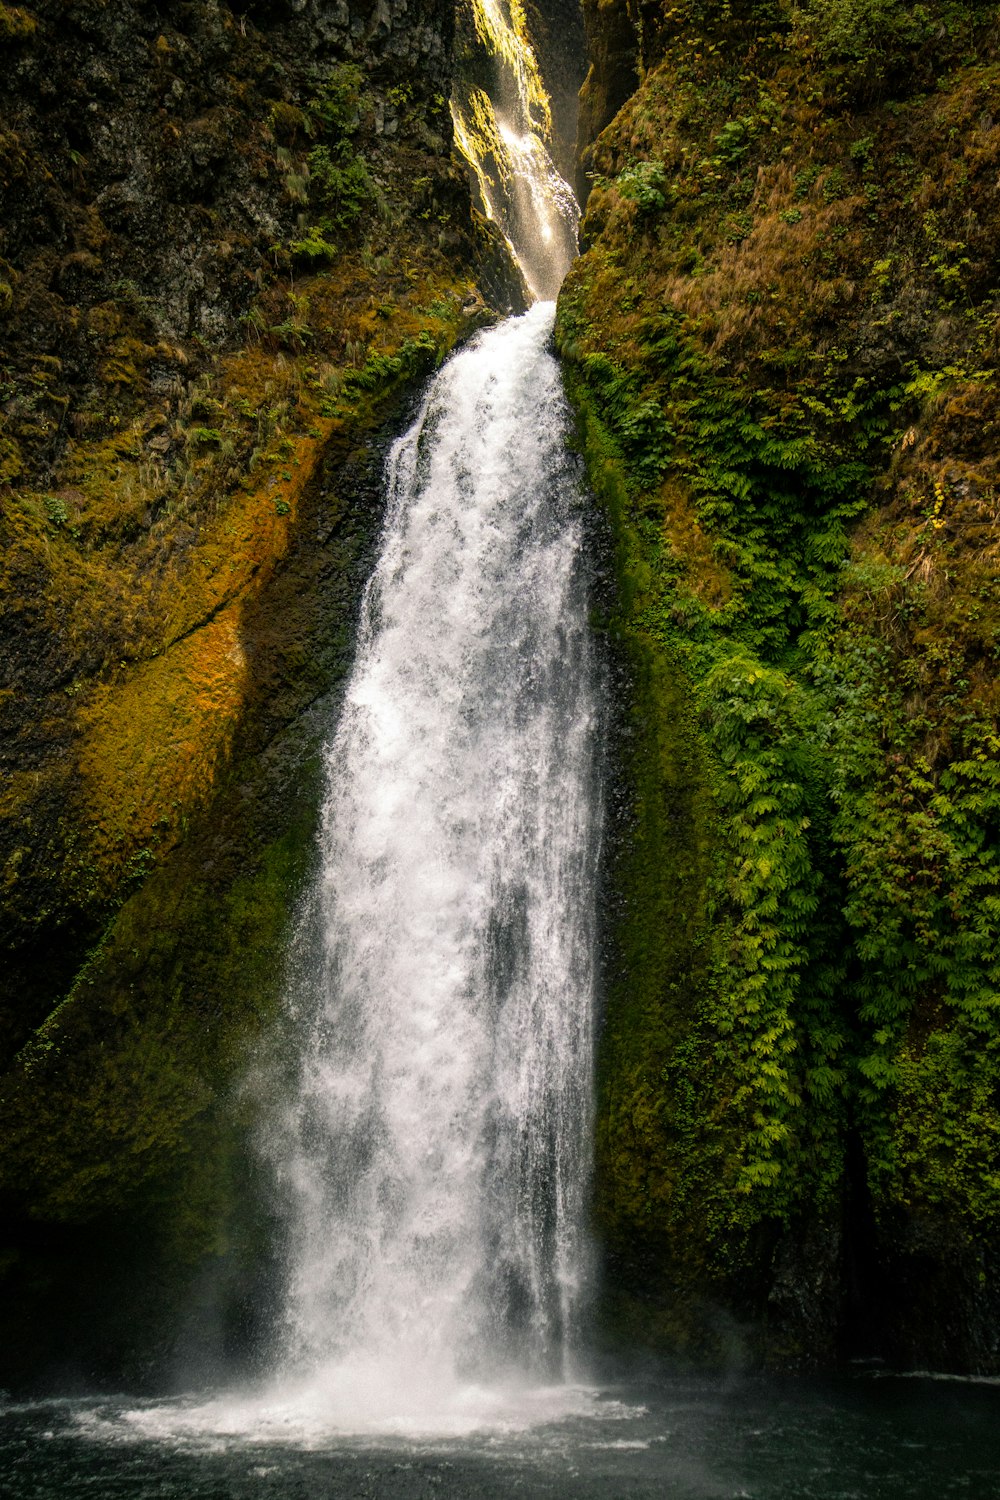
503,128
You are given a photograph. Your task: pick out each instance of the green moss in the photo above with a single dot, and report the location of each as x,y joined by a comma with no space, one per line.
163,1013
799,499
719,1122
661,860
16,25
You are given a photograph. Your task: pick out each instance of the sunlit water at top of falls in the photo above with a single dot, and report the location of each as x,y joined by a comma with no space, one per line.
504,133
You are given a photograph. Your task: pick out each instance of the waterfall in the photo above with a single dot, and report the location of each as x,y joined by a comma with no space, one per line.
436,1149
503,126
432,1140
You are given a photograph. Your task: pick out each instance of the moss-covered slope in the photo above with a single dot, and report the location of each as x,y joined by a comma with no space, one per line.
233,241
782,342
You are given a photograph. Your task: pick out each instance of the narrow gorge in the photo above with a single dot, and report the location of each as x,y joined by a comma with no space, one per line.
500,815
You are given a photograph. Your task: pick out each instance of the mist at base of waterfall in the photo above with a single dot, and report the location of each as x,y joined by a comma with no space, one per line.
366,1398
639,1437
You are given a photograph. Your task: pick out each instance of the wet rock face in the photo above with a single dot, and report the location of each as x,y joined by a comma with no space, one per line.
612,75
208,334
150,161
155,166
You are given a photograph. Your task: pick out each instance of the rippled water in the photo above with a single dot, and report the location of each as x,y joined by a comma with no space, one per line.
676,1439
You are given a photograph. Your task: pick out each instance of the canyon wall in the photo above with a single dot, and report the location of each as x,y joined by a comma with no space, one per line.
782,344
233,242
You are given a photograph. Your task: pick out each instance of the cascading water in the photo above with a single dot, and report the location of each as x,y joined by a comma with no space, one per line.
433,1147
503,125
435,1152
436,1149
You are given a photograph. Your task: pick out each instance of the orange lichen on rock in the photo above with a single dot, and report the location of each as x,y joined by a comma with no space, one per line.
154,743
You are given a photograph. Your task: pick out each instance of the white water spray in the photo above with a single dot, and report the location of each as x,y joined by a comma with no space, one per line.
435,1154
436,1150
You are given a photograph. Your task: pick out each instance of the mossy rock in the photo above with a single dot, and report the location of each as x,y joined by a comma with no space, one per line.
775,350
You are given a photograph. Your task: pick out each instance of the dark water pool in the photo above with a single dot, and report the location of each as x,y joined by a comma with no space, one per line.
675,1439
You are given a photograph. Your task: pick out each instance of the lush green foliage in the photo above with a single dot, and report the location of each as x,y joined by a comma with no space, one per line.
314,249
801,502
922,858
870,40
340,185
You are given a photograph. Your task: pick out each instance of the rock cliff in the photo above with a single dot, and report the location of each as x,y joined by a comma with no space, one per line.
782,343
233,238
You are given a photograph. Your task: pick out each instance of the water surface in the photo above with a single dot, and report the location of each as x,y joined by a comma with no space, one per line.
675,1439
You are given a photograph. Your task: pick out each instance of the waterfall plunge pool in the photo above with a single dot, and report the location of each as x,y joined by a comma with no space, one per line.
647,1435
